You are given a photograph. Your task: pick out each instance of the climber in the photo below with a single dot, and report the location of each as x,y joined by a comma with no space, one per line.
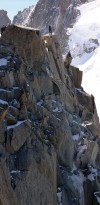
50,31
3,28
93,103
68,60
69,55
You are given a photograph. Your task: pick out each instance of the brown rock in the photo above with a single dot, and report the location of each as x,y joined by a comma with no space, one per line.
11,120
37,165
36,56
17,135
7,195
76,76
3,113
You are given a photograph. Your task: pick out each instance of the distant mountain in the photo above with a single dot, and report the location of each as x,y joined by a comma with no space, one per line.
4,19
23,17
58,13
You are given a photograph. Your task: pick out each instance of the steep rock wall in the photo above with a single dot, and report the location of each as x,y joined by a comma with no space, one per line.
49,142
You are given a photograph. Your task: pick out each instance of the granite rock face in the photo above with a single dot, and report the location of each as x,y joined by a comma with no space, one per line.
49,128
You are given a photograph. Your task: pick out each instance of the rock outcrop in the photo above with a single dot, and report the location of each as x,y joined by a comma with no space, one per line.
4,19
49,128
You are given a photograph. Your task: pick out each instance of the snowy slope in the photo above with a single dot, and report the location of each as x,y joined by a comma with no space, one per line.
84,43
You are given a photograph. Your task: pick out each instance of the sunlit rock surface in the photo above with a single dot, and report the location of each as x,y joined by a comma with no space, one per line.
49,128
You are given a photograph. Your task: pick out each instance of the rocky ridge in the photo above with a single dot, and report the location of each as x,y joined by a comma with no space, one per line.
49,128
4,19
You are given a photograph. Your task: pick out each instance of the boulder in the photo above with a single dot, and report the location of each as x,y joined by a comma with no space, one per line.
17,135
86,100
36,163
11,120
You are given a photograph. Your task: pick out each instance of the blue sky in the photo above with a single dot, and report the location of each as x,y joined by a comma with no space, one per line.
13,6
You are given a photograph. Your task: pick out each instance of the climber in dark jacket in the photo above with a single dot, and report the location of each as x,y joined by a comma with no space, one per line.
3,28
50,31
69,55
